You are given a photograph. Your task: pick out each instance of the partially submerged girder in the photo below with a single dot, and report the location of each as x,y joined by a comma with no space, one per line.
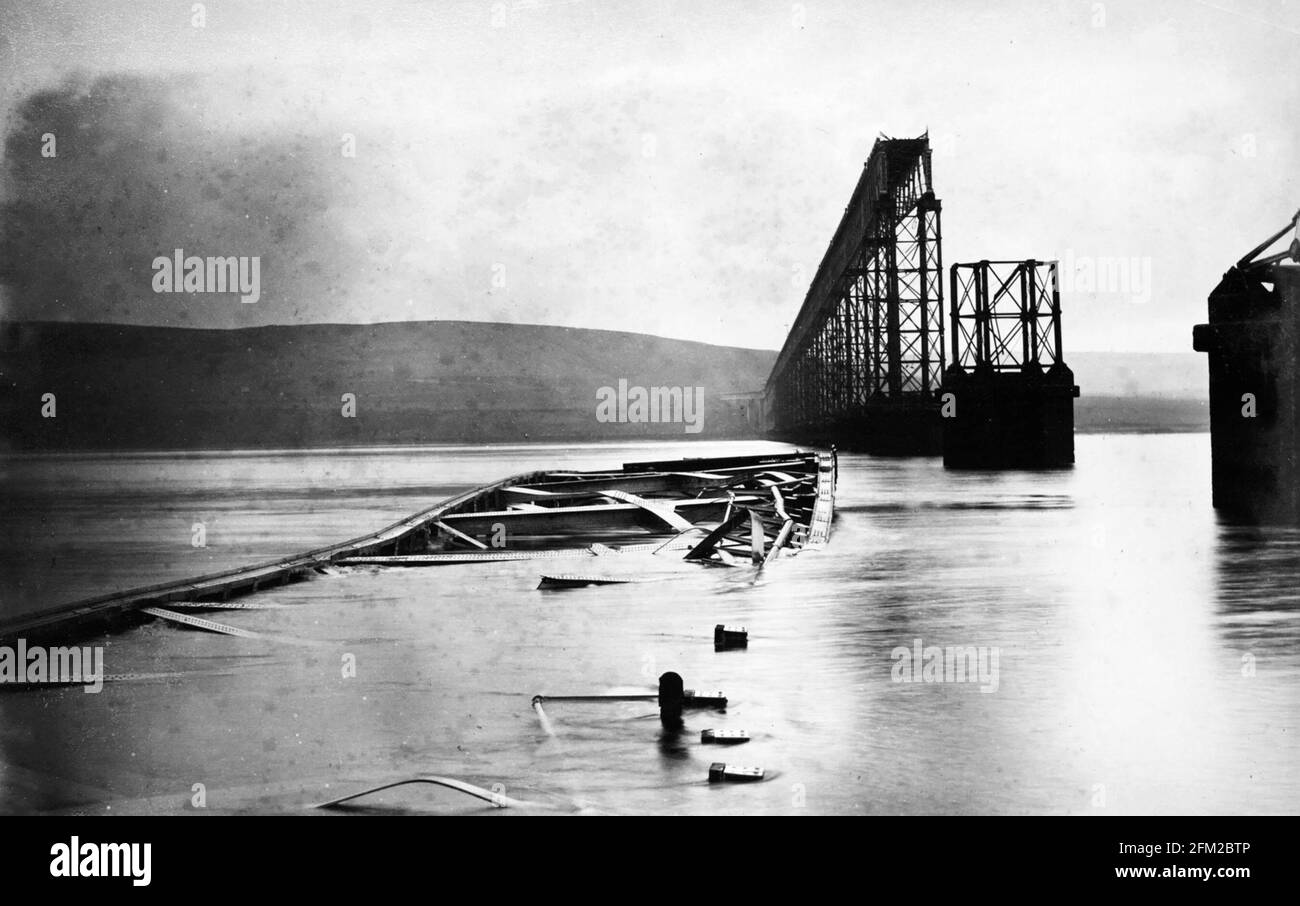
591,518
865,356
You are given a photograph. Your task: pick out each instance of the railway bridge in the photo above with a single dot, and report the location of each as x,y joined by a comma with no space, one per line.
865,364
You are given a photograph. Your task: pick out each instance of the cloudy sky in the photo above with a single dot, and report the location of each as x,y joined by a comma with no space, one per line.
654,166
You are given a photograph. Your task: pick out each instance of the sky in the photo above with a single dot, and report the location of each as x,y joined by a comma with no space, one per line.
661,167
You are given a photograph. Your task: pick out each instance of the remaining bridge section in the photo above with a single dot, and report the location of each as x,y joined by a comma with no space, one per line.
863,361
1006,315
1008,397
862,365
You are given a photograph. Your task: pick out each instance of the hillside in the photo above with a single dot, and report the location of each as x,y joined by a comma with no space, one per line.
131,387
1140,392
1160,375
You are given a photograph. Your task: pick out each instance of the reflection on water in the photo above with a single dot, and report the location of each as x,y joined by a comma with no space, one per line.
1255,587
1148,655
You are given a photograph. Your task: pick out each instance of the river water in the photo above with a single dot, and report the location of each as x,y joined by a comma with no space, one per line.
1139,656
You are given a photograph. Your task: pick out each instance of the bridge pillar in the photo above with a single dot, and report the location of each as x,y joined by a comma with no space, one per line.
1007,401
891,427
1252,343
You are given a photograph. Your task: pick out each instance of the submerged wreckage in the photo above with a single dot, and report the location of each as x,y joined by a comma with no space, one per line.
718,510
728,511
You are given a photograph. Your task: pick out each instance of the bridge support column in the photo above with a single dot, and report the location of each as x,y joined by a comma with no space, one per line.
1010,420
1000,407
1253,344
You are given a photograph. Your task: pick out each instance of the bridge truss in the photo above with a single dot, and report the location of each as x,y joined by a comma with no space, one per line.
869,335
1006,315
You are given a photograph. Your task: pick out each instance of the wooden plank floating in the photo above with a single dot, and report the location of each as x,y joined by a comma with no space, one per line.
723,737
633,697
732,773
713,700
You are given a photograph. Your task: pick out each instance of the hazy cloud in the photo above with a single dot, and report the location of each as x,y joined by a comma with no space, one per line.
650,167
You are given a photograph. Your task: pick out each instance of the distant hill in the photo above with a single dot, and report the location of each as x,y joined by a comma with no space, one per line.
1162,375
122,387
133,387
1140,392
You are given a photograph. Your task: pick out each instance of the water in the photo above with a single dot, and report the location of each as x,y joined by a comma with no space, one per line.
1147,655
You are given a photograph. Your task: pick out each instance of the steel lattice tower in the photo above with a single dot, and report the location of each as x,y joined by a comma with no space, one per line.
864,359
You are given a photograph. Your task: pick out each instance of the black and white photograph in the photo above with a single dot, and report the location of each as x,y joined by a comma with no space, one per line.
650,408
